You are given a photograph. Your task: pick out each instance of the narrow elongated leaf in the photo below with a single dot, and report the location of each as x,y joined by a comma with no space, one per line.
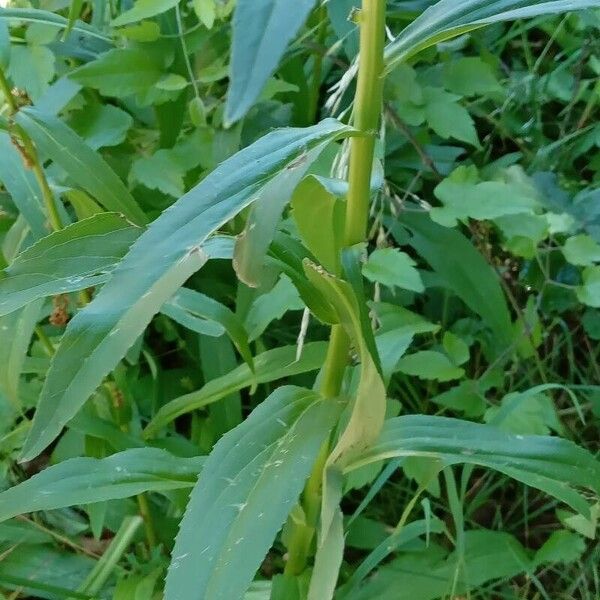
44,17
262,30
84,480
83,165
551,464
198,305
93,345
449,18
271,365
22,186
78,256
16,330
256,473
173,248
464,270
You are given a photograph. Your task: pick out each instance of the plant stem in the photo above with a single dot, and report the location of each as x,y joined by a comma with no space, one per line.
367,112
33,159
317,71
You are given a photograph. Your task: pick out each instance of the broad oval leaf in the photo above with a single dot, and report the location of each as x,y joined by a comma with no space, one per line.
85,480
256,473
79,256
83,165
262,30
271,365
551,464
450,18
170,250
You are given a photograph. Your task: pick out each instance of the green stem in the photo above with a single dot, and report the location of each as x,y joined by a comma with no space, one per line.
367,112
100,574
317,72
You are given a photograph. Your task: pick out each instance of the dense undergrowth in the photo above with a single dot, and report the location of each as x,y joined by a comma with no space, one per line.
172,278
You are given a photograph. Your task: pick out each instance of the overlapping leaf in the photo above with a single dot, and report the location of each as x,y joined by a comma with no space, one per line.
271,365
556,466
449,18
262,30
257,472
84,166
84,480
172,249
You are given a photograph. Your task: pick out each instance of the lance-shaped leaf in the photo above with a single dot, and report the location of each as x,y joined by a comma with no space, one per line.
173,248
85,480
22,186
83,164
262,30
44,17
256,473
556,466
450,18
191,308
271,365
78,256
16,330
464,271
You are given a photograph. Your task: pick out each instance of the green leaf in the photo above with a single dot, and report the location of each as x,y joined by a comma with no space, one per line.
314,203
430,573
159,172
262,30
272,305
589,291
206,11
22,187
202,307
428,364
463,199
455,348
144,9
582,250
470,76
84,480
464,271
393,268
448,118
80,255
553,465
561,547
84,166
447,19
369,406
120,72
253,243
101,125
31,69
175,246
32,15
74,375
74,12
16,330
271,365
257,472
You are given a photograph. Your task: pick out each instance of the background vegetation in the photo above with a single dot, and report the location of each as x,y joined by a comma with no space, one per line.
476,296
